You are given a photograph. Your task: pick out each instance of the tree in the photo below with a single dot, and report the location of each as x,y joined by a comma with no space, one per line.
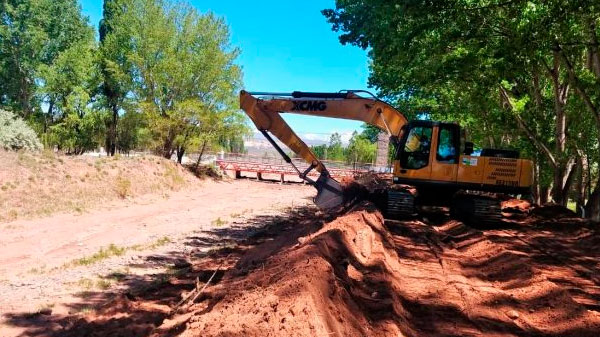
186,76
116,68
33,35
335,149
66,86
360,149
320,151
505,70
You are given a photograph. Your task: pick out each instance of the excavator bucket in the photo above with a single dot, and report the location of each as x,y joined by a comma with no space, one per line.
329,192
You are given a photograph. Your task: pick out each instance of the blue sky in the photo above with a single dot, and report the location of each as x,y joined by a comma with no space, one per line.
286,46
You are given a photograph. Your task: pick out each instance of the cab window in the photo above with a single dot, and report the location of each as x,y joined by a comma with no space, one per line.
416,148
447,142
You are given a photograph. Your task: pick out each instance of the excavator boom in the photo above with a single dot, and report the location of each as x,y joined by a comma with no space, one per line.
264,109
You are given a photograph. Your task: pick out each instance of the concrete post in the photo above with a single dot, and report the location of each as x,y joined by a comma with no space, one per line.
383,144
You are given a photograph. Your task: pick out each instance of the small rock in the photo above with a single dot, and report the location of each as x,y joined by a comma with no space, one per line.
531,310
302,240
512,314
374,294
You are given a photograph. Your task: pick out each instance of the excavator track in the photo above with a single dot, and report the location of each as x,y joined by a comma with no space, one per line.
400,204
476,209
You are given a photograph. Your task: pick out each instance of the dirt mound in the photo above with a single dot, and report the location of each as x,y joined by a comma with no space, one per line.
38,184
517,206
373,181
553,212
331,283
357,277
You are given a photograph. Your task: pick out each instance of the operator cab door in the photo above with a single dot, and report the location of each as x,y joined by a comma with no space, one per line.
414,153
446,147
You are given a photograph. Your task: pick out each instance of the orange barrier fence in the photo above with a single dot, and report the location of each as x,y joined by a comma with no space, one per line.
239,163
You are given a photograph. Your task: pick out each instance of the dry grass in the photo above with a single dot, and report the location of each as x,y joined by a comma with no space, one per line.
37,185
218,222
123,187
88,284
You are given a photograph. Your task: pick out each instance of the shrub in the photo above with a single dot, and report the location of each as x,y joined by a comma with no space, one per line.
15,134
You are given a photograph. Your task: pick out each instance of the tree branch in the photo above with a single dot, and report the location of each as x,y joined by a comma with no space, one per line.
579,89
522,125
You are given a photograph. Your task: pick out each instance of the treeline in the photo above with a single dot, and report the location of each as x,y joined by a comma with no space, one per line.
517,74
160,76
361,147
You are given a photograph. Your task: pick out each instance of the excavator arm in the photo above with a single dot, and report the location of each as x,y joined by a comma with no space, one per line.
264,109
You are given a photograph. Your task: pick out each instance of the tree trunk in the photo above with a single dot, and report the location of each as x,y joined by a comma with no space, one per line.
200,154
545,194
25,96
167,150
536,183
592,208
593,57
582,179
111,133
562,171
180,152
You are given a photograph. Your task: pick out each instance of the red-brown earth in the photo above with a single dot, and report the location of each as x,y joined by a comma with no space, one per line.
352,273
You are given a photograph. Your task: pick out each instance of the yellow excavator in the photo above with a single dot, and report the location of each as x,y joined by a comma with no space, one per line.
433,163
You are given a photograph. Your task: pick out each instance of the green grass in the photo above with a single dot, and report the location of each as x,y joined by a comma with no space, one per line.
88,284
87,309
113,250
37,270
158,243
102,254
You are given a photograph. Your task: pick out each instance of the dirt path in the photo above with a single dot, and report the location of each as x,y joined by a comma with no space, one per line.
50,262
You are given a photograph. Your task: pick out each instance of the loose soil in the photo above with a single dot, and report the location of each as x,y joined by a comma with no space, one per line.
310,274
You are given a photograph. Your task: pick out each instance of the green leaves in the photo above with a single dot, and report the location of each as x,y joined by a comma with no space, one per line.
182,71
360,149
32,36
513,73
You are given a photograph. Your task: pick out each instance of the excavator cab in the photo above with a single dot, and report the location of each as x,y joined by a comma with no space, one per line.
427,150
432,155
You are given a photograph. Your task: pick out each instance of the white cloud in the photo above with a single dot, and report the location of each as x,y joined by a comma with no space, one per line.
314,136
311,138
